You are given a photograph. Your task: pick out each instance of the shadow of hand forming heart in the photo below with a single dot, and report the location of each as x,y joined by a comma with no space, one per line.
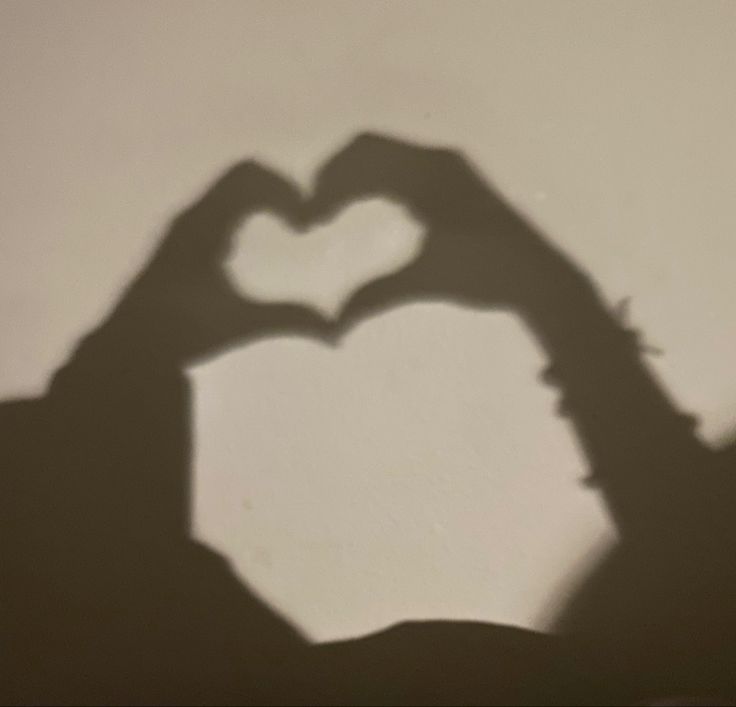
102,580
477,251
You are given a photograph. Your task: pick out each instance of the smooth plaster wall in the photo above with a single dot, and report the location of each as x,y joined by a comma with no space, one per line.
379,482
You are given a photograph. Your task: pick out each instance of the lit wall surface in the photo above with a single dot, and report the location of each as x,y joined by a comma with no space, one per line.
358,486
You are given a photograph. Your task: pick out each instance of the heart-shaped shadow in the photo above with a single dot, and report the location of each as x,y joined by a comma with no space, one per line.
102,581
471,234
326,265
476,251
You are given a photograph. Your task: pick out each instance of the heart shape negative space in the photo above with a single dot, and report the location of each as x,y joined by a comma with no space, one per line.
325,264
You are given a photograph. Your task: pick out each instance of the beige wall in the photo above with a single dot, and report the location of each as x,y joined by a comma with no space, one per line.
611,123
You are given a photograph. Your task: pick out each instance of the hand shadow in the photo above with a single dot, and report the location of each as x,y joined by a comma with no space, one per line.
657,615
106,597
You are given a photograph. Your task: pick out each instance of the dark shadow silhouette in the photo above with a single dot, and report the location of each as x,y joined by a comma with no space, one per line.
107,599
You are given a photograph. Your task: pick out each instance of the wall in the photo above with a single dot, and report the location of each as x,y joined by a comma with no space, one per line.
348,490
